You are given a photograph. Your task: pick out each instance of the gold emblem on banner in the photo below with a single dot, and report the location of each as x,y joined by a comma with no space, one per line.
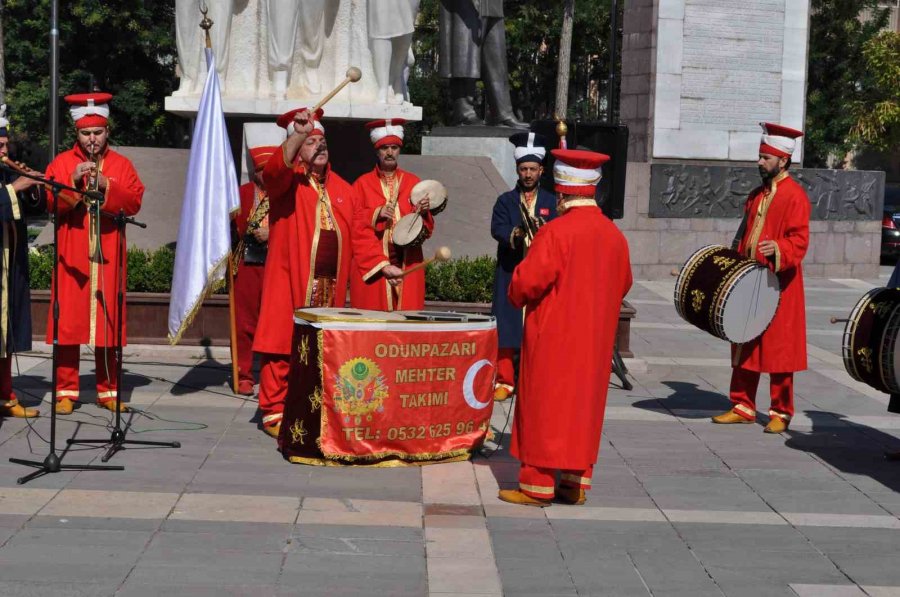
723,262
303,350
865,355
298,433
315,399
359,390
697,297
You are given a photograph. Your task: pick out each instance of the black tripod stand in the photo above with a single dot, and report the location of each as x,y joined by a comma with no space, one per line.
117,439
51,463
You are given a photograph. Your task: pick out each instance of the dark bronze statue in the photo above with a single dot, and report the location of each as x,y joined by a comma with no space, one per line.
472,47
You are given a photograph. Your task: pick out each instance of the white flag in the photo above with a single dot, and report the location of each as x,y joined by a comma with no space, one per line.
210,197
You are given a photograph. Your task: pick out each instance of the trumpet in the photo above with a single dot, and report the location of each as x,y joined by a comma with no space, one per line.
530,224
93,183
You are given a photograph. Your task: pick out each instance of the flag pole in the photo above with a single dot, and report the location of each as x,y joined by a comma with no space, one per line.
233,322
206,24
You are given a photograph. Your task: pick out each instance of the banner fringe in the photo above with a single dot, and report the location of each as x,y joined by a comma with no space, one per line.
210,288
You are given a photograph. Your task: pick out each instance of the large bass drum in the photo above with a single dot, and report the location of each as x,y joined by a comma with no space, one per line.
870,346
723,293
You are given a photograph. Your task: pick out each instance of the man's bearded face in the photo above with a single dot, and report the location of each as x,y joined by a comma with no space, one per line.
93,139
314,151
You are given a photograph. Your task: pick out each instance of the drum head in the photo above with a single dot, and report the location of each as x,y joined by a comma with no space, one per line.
346,314
437,195
750,305
408,230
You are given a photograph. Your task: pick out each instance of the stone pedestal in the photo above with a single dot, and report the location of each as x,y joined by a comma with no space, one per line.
488,141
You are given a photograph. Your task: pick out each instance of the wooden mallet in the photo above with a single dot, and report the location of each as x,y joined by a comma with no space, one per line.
352,76
442,254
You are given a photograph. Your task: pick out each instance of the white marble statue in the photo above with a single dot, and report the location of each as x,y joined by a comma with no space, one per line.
190,40
286,19
275,55
391,26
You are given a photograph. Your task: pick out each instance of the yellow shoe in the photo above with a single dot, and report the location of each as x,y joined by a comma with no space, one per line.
514,496
776,425
570,495
16,410
110,405
273,430
64,406
501,393
731,418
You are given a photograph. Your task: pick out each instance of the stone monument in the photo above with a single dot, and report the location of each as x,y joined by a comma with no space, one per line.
275,55
698,76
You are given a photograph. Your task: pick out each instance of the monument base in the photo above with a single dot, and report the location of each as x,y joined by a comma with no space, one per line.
844,232
186,106
488,141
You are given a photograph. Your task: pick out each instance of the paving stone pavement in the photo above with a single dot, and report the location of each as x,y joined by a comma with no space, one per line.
679,507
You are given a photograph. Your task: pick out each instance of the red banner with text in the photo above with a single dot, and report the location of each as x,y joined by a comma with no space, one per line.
419,395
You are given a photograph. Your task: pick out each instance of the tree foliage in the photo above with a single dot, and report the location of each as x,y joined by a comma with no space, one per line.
121,46
877,114
837,74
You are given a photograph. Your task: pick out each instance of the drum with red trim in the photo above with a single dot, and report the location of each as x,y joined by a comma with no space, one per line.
870,344
722,292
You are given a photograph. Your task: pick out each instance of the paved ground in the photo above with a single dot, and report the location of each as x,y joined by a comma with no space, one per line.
679,506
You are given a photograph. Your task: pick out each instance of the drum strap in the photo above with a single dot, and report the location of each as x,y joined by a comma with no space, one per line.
739,235
761,211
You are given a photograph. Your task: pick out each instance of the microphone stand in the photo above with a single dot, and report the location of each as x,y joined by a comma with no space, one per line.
51,463
117,439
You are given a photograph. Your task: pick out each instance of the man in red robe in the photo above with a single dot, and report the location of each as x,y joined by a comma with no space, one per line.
88,247
310,218
384,198
777,235
571,285
251,234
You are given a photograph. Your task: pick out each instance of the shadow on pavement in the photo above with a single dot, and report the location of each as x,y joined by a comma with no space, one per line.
849,447
687,400
207,373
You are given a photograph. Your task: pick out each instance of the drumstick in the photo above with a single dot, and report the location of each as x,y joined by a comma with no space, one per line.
442,254
675,272
353,75
836,320
411,220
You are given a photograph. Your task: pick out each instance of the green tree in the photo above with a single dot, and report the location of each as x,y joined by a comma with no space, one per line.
837,69
877,113
124,47
533,40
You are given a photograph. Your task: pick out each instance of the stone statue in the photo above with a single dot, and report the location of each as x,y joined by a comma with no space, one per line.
286,17
391,25
472,47
190,40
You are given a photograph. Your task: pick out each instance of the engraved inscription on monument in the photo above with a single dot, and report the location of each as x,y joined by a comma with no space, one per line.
683,191
732,63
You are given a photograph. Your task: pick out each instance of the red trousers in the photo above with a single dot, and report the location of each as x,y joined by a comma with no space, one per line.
247,298
506,370
67,362
743,393
539,482
273,386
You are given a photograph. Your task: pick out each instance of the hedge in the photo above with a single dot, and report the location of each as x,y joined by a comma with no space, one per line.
457,280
